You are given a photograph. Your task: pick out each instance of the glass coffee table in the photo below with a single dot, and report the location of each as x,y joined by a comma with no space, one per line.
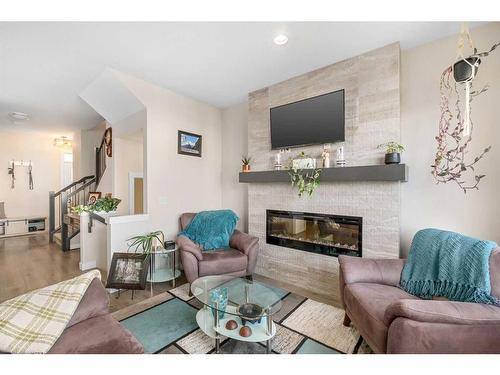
248,303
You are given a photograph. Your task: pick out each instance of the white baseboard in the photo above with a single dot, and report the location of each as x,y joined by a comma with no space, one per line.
87,265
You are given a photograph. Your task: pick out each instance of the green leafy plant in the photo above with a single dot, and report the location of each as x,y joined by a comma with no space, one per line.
106,204
144,243
246,160
305,180
392,147
79,209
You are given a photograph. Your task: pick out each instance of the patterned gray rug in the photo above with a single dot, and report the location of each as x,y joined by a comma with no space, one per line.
304,326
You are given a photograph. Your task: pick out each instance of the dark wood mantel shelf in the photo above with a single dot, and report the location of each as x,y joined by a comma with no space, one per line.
392,172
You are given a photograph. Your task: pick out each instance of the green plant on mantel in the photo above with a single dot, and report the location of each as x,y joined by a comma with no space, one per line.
305,180
144,243
246,160
392,147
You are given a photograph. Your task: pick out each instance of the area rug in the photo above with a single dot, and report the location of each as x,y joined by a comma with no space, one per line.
304,326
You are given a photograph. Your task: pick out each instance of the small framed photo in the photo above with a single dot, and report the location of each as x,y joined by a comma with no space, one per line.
189,144
93,196
128,271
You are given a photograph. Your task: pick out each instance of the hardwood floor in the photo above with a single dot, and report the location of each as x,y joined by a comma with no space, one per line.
31,262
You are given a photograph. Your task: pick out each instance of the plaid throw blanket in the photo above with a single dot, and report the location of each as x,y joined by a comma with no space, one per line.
32,322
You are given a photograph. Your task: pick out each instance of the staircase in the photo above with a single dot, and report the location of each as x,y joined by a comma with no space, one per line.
63,225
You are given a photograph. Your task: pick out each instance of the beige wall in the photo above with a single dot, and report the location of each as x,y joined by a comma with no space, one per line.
234,146
127,158
425,204
84,144
178,183
46,172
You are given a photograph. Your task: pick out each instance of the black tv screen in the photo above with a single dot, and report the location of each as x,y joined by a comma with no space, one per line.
310,121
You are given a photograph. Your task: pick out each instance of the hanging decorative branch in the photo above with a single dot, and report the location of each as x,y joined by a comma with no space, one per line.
455,130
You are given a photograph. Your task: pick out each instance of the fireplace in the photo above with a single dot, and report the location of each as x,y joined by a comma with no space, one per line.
316,233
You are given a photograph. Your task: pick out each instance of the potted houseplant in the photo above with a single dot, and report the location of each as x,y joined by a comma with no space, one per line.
303,175
107,205
145,243
392,152
246,164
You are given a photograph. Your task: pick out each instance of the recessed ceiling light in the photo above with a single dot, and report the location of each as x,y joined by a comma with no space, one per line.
280,39
18,117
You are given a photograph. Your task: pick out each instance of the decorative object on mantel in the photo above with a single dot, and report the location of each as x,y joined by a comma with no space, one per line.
245,163
393,152
277,161
450,162
340,162
304,175
325,156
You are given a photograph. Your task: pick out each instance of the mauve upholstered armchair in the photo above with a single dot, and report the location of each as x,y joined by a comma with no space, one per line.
393,321
239,260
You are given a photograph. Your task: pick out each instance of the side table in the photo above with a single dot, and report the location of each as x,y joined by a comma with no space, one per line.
163,274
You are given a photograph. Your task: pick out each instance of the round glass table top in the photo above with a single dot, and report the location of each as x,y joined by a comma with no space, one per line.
237,296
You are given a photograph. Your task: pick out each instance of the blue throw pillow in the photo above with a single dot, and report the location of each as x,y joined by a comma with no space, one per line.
211,229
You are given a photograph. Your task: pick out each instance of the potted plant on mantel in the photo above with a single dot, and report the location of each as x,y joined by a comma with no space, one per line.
246,164
392,152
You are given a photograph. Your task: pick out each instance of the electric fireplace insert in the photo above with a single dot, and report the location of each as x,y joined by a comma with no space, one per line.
316,233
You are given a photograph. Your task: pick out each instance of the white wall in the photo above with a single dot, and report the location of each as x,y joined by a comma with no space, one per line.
178,183
425,204
234,146
46,160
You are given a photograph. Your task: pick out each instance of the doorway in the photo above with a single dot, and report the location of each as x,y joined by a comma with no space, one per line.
136,193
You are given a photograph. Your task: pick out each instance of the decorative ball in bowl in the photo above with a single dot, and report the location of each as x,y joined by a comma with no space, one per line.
250,312
231,325
245,331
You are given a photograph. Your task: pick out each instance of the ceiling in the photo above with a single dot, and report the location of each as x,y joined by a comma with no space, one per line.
45,66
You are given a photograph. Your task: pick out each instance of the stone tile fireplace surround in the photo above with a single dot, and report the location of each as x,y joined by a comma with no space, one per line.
372,104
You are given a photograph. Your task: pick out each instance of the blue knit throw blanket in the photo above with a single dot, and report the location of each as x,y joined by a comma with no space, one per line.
448,264
211,229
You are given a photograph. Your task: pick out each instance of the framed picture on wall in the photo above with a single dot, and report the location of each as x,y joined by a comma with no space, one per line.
128,271
188,144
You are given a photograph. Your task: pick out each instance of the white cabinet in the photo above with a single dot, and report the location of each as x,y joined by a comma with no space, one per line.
13,227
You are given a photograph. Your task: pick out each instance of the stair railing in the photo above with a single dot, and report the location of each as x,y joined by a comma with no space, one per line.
60,204
100,161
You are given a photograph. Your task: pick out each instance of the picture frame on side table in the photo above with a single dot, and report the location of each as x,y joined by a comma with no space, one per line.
189,143
128,271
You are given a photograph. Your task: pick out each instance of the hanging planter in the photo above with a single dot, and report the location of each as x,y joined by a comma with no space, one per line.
452,162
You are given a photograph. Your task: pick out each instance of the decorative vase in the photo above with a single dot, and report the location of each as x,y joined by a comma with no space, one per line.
219,295
393,158
245,168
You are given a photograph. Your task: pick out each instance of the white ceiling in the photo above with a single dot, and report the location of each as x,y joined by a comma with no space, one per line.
45,66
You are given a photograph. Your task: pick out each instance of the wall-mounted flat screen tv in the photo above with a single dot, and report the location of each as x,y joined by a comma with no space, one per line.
310,121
